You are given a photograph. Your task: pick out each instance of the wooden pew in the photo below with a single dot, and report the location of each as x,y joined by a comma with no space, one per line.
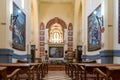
41,69
13,75
37,71
99,73
25,68
66,68
3,72
113,72
29,68
85,71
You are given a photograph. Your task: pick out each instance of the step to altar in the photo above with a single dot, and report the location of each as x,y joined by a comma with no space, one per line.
56,67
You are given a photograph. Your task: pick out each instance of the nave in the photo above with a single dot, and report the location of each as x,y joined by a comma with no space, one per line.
60,33
56,75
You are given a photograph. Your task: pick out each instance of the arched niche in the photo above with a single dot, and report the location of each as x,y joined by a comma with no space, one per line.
56,28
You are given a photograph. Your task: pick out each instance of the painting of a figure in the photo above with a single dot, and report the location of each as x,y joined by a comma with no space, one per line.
18,35
94,30
55,52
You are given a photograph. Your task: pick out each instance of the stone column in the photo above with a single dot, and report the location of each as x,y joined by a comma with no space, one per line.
108,35
108,24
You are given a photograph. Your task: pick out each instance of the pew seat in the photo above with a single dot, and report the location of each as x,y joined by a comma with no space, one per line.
6,75
15,74
99,74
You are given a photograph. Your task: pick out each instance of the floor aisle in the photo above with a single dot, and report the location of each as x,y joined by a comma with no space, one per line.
56,75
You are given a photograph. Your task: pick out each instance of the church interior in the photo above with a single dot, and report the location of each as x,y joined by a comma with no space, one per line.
60,40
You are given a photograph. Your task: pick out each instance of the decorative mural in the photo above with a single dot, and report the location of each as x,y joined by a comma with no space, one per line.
70,33
42,39
18,20
94,30
70,37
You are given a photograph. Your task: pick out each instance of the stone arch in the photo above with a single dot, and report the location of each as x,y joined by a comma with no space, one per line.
56,20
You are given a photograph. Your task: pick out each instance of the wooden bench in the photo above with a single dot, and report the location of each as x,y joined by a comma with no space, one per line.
99,73
86,71
32,71
25,67
13,75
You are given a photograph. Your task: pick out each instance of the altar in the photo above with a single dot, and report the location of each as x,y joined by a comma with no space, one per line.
56,65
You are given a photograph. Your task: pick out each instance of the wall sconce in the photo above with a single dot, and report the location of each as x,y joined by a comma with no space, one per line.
46,51
66,52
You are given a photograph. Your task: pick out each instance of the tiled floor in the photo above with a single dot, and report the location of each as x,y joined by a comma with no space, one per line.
56,75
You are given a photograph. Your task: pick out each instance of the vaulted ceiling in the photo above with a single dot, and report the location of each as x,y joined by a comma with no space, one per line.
59,7
57,1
